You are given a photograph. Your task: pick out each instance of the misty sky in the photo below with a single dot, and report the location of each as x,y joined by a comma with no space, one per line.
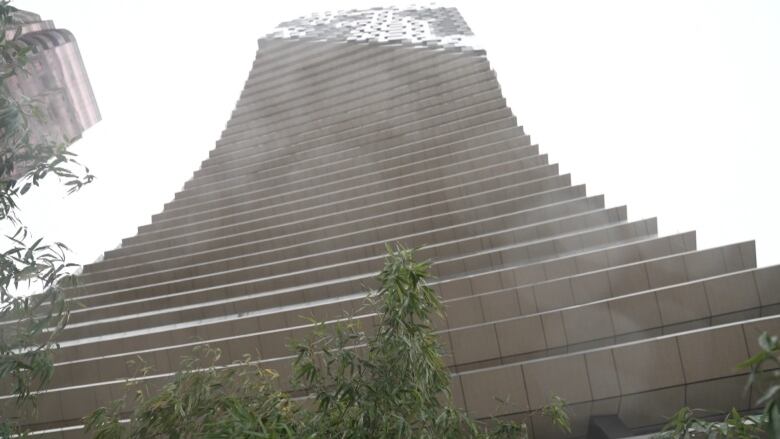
670,107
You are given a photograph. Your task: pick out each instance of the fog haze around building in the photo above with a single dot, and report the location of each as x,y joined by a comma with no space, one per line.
670,107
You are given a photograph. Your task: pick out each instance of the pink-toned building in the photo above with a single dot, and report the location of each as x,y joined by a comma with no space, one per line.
54,78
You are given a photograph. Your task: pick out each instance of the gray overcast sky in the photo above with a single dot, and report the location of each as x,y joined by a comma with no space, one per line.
670,107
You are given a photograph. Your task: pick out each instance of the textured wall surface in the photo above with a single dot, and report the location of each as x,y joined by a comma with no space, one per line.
55,77
336,147
442,27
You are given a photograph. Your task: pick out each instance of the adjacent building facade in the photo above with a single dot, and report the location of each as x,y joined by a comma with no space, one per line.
364,127
54,80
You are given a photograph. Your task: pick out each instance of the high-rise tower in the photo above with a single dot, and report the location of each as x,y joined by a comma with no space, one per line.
363,127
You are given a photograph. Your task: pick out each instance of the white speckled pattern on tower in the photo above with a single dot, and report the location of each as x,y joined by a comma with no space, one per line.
434,26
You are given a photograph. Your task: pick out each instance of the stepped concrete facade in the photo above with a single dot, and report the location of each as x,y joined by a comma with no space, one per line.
363,127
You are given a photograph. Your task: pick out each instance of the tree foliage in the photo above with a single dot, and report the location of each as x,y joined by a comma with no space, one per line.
29,321
764,375
397,386
203,400
389,382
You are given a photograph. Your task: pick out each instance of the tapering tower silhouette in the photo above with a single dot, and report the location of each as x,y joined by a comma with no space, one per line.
364,127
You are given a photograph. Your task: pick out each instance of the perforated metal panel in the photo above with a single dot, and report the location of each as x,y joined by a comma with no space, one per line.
436,26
